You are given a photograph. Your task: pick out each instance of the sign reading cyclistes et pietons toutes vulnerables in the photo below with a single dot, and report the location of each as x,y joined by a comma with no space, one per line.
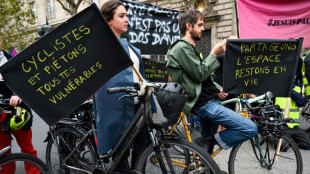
64,68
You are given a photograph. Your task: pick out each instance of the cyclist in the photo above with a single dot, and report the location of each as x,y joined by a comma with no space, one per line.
23,135
113,115
186,67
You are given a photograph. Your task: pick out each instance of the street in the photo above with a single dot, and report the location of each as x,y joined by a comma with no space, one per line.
40,128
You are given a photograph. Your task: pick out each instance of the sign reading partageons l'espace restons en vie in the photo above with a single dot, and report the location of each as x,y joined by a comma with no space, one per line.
65,67
260,65
152,29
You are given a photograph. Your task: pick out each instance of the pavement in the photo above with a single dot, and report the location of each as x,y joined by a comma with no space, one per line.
40,128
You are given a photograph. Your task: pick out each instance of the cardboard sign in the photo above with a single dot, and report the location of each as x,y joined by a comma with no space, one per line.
155,70
64,68
260,65
151,29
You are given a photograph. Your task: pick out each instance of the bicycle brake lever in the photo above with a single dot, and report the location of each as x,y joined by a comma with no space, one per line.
127,95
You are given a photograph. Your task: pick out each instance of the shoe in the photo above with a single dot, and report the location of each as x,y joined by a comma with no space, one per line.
206,143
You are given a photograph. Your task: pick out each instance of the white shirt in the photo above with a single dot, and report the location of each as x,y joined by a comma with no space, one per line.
3,60
136,62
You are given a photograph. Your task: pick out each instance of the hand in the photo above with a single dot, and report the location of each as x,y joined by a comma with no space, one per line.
221,95
15,100
219,48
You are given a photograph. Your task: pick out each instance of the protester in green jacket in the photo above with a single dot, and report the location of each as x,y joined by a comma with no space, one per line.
185,66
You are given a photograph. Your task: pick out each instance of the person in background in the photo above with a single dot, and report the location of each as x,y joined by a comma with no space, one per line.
297,100
23,135
113,115
185,66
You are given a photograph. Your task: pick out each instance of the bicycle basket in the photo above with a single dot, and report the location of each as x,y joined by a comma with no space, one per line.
167,102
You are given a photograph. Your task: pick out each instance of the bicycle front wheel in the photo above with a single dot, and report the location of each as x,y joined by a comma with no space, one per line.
193,159
22,163
246,157
64,141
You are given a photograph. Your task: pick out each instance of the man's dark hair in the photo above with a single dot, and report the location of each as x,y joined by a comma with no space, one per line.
190,16
108,8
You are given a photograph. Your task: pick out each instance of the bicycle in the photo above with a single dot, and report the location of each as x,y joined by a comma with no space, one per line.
75,147
15,162
261,153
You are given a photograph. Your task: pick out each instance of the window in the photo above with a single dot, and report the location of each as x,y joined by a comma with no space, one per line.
34,10
50,6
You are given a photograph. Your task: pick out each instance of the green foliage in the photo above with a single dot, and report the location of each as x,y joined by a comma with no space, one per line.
15,24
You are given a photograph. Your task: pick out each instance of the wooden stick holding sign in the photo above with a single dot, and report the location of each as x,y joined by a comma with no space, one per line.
138,73
286,115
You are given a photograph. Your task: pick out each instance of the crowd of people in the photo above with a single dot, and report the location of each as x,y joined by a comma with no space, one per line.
185,66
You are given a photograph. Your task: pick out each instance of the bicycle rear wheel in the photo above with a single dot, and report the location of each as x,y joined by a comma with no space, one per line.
22,163
245,158
193,160
64,142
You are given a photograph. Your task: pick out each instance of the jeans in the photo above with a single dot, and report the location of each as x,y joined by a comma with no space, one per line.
238,128
195,121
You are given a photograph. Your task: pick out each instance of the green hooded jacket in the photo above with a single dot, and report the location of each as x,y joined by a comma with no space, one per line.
185,66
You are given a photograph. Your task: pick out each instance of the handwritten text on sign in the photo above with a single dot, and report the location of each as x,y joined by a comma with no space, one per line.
253,63
155,70
65,67
152,29
40,63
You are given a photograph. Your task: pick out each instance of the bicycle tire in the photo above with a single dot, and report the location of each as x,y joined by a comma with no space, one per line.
66,139
182,162
34,164
245,158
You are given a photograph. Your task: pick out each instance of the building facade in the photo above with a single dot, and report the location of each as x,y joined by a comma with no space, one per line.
52,12
220,16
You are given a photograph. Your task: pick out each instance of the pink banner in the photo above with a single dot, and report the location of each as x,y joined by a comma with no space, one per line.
275,19
14,52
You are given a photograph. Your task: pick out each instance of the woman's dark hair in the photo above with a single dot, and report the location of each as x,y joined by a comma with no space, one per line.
108,8
190,16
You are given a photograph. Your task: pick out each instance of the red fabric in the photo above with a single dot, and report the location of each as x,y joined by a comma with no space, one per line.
23,139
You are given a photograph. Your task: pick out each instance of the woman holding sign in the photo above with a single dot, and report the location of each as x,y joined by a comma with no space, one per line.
113,115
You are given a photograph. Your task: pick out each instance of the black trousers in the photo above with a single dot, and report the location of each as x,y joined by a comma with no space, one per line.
299,136
140,143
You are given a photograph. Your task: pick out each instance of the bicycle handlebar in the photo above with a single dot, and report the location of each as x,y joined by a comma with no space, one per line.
233,100
116,90
266,96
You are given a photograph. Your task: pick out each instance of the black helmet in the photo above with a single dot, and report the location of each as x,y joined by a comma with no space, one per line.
171,98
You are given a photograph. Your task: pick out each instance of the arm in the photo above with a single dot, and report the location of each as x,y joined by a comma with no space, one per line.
298,99
190,63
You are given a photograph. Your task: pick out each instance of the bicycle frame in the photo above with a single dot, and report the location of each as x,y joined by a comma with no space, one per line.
241,100
121,146
2,151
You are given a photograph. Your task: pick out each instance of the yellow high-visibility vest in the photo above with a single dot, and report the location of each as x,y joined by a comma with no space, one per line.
294,109
305,80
